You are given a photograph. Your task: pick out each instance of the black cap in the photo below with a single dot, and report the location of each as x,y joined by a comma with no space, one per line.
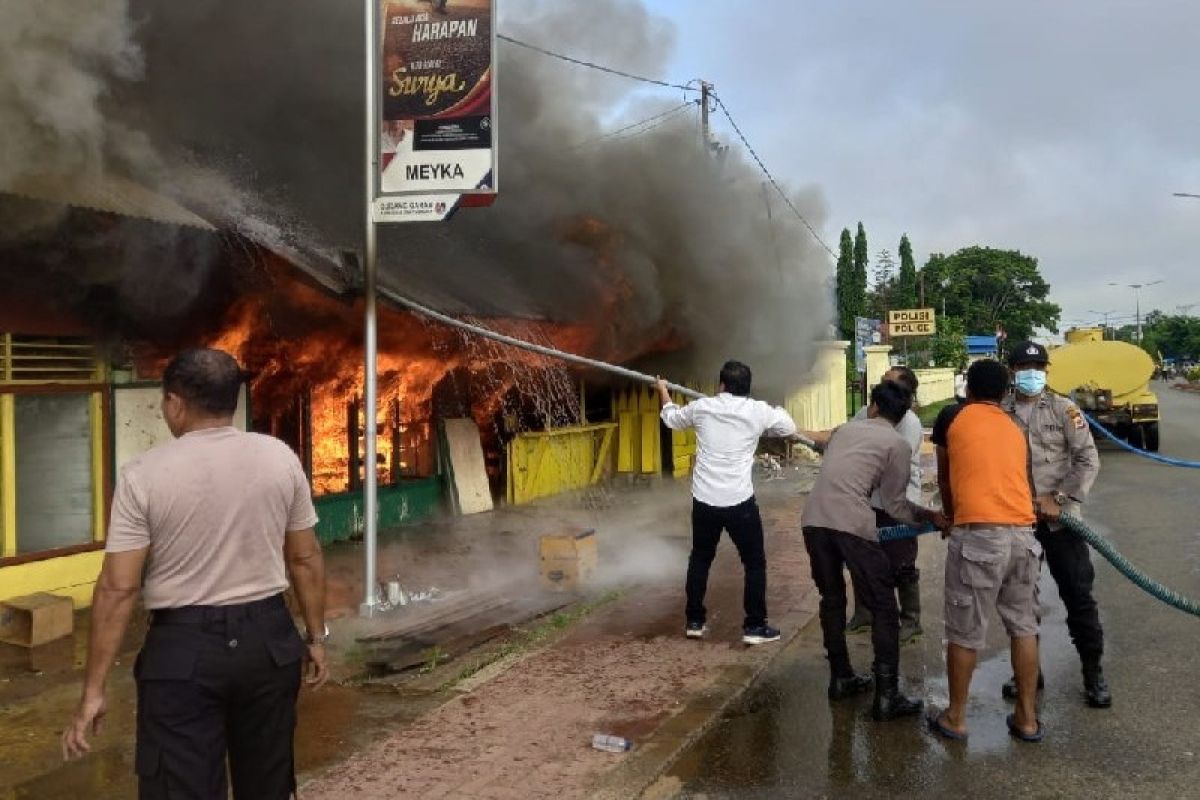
1028,353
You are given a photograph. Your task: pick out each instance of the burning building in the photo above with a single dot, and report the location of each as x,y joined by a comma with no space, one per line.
136,218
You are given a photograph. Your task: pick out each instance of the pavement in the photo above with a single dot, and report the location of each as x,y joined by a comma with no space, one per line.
518,728
785,739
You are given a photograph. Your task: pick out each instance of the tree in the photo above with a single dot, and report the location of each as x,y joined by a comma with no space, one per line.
849,303
906,295
1176,337
989,288
860,259
880,299
948,346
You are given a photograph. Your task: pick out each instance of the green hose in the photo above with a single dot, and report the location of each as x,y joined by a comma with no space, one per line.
1098,543
1122,565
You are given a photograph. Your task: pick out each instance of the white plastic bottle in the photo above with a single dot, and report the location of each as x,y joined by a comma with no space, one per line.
611,744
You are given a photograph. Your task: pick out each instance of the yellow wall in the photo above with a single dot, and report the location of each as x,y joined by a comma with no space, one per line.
821,403
70,576
934,385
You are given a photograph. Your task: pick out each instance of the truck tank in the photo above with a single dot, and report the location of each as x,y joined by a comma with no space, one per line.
1109,380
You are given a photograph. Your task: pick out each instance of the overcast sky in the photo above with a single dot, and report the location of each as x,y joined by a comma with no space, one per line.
1057,128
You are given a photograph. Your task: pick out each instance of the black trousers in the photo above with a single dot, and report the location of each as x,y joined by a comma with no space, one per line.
830,551
1070,562
218,682
901,552
745,529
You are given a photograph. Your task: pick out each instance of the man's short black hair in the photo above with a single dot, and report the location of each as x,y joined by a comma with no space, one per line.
906,378
987,379
208,380
736,377
892,400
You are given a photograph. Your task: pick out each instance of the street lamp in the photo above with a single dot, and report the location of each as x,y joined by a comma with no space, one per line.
1137,293
1105,315
1187,194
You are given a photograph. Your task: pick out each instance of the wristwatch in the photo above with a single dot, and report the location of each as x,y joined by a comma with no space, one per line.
322,638
1061,498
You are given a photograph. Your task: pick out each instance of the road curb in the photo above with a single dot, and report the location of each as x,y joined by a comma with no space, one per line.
646,765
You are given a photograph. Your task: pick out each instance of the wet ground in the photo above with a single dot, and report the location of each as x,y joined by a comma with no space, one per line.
787,740
643,542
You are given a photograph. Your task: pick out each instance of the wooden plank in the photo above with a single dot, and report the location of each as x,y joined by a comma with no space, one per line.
465,453
602,457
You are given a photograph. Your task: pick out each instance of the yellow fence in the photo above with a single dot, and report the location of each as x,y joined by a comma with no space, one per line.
545,463
639,435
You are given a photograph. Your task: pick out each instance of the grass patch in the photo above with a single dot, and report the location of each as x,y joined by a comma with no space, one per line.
927,414
435,657
527,638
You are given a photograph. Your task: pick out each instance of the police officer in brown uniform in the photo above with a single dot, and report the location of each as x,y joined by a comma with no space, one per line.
208,528
1065,464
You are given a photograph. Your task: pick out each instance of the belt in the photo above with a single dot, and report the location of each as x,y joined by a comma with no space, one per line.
975,526
198,615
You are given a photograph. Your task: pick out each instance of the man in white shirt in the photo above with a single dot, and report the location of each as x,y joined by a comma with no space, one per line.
728,428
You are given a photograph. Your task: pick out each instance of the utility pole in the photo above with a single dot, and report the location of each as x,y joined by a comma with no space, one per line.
1137,293
705,91
1104,333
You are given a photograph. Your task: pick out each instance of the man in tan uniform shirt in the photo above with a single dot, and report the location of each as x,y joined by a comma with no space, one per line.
208,528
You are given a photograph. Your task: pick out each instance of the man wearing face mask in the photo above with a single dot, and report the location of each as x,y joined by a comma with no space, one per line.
1064,466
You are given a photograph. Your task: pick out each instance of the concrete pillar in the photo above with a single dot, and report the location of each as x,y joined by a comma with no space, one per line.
878,362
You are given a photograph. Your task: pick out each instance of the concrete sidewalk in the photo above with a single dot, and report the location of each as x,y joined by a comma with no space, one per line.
519,727
523,730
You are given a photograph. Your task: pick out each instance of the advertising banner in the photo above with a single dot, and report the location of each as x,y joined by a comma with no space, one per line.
911,322
437,105
866,332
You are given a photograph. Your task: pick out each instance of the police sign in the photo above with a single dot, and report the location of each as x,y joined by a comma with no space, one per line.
912,322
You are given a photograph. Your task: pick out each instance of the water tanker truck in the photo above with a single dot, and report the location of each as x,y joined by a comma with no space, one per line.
1110,381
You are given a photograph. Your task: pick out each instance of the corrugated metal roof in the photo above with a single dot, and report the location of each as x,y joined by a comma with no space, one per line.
108,193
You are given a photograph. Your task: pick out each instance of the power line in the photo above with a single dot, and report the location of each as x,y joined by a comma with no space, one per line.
590,65
770,177
657,119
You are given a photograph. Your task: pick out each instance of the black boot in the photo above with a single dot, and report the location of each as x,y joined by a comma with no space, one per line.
1095,687
1009,689
843,680
848,685
889,703
861,621
909,594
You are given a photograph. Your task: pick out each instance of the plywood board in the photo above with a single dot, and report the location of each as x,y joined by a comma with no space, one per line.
138,424
469,480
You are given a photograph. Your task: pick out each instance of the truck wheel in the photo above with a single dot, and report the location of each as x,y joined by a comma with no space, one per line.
1136,437
1150,432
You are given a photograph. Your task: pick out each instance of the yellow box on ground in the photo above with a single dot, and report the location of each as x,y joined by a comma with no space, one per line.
568,561
34,620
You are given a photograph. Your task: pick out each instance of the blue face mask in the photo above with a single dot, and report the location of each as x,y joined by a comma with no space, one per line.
1030,381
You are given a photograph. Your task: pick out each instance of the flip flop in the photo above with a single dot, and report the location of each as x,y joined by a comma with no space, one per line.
934,721
1017,733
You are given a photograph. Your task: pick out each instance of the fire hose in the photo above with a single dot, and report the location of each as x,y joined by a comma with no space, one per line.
1175,462
549,352
1098,543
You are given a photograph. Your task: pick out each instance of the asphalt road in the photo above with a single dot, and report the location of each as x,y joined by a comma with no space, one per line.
787,740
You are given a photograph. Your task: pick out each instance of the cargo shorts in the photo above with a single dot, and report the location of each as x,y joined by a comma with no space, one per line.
991,567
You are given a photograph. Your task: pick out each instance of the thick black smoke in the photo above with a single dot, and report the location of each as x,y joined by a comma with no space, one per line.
264,101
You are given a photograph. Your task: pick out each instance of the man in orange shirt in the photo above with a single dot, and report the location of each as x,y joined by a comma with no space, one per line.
992,561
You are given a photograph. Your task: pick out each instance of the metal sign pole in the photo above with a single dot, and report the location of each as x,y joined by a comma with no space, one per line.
370,423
